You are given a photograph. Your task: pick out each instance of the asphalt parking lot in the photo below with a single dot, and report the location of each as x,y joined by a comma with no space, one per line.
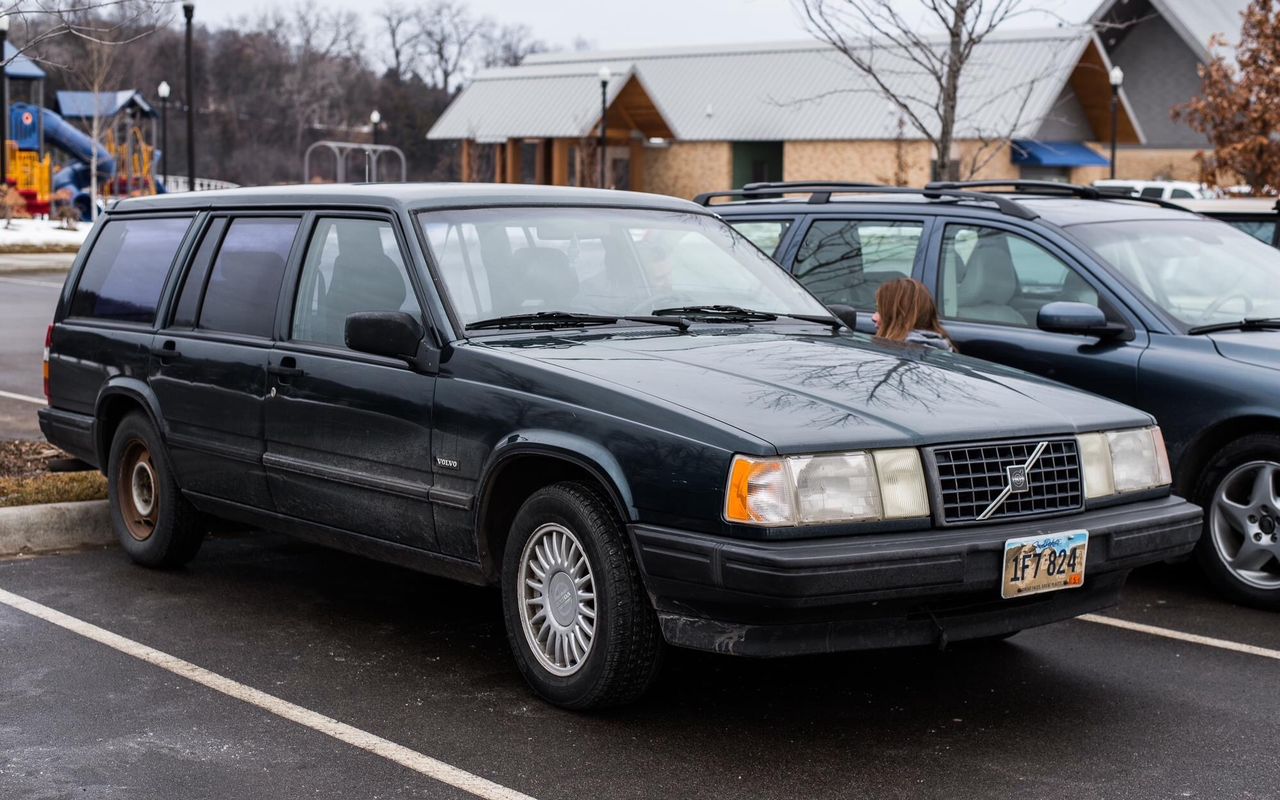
418,669
29,287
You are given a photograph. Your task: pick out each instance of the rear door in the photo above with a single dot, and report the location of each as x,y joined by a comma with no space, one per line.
990,281
348,433
209,363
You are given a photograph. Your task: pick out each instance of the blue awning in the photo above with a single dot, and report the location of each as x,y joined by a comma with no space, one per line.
1055,154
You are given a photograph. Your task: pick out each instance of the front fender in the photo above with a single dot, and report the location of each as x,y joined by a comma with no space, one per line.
578,450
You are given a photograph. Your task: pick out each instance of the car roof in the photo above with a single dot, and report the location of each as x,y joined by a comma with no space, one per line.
1062,211
408,196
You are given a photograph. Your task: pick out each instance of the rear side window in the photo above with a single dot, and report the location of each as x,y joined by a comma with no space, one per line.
125,273
244,283
846,261
766,234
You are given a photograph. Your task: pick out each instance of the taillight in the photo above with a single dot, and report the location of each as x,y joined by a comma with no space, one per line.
48,342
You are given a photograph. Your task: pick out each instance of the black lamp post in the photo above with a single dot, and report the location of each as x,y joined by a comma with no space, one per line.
605,75
163,92
4,106
1117,78
189,11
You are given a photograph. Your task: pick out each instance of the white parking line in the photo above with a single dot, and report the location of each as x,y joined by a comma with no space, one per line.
1193,638
23,397
31,282
425,765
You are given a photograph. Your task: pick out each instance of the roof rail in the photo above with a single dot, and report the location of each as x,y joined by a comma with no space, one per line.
1053,189
821,191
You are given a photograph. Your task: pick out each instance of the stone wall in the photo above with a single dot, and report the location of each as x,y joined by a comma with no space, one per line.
684,169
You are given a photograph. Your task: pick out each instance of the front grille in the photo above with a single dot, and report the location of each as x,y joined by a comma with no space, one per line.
970,477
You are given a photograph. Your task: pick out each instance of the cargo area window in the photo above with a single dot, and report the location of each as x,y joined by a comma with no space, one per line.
126,270
846,261
244,284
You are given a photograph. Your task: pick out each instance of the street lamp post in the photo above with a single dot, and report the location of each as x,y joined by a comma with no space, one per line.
163,92
375,119
189,11
4,107
1117,78
605,75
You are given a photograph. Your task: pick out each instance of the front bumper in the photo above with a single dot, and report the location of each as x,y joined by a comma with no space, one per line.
887,590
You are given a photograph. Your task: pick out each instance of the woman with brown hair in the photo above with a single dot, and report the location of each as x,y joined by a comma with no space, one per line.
905,312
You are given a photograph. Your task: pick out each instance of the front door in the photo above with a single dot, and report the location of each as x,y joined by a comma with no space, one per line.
209,363
348,433
990,284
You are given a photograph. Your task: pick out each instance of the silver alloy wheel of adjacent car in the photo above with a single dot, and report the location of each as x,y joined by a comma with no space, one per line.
1245,524
557,599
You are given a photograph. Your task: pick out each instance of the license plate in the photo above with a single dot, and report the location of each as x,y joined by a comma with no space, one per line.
1044,563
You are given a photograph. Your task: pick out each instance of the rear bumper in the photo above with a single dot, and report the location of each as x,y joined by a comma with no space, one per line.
787,598
71,431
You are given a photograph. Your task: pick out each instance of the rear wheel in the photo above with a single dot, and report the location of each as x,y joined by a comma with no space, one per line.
1240,547
155,524
578,620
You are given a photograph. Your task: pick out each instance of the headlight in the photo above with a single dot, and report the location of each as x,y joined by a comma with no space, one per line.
1116,462
841,487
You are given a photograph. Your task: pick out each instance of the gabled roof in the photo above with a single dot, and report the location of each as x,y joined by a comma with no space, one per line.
81,105
1195,21
18,67
770,92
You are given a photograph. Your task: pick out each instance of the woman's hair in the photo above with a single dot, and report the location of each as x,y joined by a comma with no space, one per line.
905,305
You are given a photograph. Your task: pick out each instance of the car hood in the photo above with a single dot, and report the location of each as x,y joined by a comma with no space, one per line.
1260,348
827,392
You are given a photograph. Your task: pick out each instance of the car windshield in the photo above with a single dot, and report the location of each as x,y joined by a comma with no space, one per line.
497,262
1200,271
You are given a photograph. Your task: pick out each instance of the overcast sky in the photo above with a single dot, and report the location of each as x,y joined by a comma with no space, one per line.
612,24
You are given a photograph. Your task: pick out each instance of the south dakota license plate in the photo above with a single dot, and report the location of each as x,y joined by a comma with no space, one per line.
1044,563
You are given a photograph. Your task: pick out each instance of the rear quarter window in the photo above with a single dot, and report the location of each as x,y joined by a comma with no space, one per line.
125,272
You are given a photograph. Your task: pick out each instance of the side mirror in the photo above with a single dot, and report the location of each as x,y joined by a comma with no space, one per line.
846,314
391,333
1077,318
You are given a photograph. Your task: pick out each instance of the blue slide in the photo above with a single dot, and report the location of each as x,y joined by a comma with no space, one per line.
75,143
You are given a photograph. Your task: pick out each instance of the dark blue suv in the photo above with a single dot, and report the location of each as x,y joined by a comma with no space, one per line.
1137,300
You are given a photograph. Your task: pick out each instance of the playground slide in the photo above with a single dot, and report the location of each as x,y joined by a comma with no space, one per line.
71,140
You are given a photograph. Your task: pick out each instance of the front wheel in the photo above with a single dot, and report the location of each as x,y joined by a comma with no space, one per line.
578,620
1240,547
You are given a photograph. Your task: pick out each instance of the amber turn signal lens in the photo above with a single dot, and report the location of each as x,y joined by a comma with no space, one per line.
759,492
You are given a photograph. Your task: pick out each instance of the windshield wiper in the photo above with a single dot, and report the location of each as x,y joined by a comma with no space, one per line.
568,319
1246,324
739,314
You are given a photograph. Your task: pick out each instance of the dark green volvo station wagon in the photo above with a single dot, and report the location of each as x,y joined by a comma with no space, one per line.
610,405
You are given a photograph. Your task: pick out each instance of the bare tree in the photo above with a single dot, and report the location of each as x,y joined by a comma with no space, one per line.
508,45
864,32
450,35
403,37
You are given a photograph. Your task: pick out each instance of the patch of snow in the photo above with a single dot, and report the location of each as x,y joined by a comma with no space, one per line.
41,233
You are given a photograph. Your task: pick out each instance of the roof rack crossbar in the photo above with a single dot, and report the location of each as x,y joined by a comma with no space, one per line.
1054,189
821,191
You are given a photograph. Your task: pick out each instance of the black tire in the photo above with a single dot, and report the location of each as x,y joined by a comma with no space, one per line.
167,531
625,651
1235,456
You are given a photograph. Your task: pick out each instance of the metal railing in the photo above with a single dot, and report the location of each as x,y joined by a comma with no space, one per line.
178,183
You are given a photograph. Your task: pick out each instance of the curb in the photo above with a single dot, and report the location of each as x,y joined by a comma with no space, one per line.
54,526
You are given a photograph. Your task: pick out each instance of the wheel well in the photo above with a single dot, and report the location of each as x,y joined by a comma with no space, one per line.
110,413
514,480
1196,457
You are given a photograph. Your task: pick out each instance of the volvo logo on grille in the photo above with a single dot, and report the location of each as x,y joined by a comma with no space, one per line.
1017,478
1017,481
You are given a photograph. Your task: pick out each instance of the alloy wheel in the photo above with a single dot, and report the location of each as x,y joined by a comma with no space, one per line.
557,599
1244,523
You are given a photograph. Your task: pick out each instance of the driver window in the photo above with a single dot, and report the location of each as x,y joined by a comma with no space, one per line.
352,265
990,275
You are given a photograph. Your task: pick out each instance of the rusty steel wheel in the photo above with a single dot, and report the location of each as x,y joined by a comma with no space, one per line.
137,490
